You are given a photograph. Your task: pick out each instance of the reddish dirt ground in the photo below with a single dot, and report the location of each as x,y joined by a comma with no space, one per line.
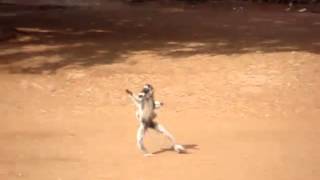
240,87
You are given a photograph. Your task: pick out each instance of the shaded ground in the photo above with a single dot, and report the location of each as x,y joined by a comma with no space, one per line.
240,87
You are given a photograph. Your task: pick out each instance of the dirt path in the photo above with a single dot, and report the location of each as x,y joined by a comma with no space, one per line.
241,92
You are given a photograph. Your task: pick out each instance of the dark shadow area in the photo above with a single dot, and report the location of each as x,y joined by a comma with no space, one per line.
45,41
186,146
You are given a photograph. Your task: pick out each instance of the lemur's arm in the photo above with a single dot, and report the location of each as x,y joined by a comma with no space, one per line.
133,97
158,104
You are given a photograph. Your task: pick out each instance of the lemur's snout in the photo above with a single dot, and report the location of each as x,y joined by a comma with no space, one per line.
146,90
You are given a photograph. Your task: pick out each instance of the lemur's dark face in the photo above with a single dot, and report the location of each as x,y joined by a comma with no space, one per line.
147,90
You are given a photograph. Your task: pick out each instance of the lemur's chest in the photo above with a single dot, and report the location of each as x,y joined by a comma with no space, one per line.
147,107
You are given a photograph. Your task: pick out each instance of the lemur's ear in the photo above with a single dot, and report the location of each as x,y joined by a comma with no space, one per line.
148,86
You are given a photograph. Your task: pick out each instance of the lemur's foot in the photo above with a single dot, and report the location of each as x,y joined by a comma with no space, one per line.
179,148
148,154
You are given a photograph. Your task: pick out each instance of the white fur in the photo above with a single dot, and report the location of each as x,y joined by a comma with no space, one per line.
179,148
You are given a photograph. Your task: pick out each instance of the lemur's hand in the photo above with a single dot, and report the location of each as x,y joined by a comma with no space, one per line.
129,92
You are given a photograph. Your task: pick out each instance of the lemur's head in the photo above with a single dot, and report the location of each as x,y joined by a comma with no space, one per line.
147,90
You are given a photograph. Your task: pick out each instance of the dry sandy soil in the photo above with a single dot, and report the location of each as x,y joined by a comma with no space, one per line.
240,87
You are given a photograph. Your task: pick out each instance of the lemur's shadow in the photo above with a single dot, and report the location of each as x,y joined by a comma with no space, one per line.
186,146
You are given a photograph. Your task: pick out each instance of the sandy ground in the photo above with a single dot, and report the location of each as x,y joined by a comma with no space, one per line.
241,92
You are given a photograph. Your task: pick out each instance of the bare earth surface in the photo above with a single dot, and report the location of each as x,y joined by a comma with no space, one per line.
240,87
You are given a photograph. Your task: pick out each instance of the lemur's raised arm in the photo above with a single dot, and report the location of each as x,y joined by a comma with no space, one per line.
136,99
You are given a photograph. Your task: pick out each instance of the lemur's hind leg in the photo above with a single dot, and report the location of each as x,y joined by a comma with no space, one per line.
159,128
177,147
140,136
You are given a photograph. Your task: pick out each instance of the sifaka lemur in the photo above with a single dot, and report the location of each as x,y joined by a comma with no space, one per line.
145,114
